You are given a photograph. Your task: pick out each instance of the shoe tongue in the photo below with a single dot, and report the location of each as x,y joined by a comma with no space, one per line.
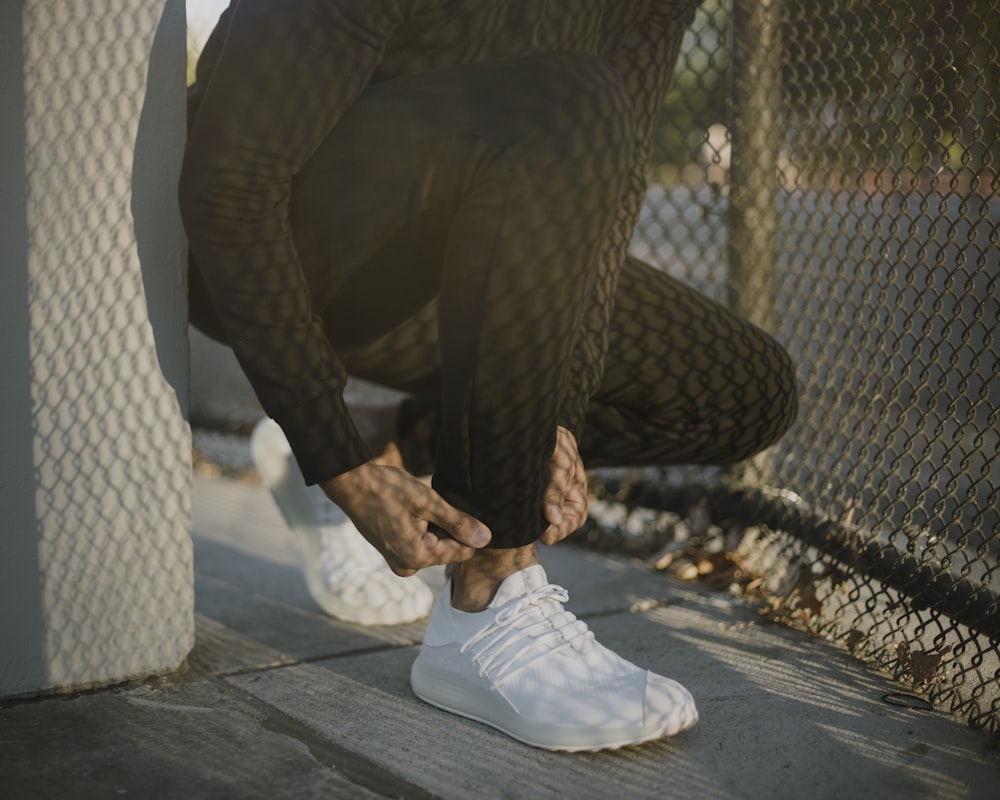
519,584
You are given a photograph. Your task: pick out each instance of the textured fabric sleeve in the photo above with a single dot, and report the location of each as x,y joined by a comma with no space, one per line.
282,75
642,46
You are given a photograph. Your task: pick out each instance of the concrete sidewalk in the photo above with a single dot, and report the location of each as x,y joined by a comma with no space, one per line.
279,701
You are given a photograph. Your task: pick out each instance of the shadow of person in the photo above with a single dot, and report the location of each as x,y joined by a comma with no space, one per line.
159,236
24,666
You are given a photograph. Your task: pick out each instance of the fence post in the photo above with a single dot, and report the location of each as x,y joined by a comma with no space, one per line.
754,172
95,482
756,133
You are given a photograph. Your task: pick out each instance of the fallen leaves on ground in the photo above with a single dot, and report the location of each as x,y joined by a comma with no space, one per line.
692,548
923,666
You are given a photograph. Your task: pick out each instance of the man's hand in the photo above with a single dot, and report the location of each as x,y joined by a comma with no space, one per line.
399,514
566,497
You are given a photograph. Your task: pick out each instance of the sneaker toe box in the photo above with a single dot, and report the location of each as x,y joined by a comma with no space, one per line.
669,704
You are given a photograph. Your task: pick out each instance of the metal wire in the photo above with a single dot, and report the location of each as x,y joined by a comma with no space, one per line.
830,172
859,221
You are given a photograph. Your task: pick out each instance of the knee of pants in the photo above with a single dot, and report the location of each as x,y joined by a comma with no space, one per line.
578,110
777,400
786,391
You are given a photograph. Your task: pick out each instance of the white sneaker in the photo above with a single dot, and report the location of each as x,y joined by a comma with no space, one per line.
527,666
346,576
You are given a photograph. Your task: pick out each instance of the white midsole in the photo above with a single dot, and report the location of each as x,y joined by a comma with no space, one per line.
452,692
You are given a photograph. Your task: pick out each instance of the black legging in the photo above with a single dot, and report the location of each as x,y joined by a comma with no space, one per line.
451,228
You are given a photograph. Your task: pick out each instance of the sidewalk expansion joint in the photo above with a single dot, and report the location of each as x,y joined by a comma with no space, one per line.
304,660
635,608
362,771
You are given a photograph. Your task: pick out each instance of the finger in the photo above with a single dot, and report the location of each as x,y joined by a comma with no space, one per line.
566,441
552,506
443,550
575,512
461,527
427,546
550,536
562,460
559,523
574,515
556,533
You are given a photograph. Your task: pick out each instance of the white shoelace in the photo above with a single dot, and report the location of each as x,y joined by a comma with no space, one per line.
529,629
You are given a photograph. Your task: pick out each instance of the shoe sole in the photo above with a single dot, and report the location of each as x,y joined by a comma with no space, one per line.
450,692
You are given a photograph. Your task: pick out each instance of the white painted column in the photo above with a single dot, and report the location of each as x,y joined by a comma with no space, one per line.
95,550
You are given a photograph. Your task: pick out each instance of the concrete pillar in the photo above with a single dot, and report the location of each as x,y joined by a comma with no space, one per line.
96,568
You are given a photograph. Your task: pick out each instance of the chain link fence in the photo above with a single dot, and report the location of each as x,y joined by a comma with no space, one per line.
831,171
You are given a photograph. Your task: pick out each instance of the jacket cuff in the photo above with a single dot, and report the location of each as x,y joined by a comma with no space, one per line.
323,438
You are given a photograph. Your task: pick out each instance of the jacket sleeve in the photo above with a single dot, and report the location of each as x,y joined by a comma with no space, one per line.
284,73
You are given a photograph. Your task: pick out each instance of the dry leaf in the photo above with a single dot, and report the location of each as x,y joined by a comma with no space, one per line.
666,556
687,571
838,577
800,592
805,588
903,656
924,665
708,564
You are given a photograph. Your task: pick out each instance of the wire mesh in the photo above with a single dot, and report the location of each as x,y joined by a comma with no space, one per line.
859,221
829,171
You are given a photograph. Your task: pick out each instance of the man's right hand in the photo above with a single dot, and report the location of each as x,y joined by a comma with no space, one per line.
398,514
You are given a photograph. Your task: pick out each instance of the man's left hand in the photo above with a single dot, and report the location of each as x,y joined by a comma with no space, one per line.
565,505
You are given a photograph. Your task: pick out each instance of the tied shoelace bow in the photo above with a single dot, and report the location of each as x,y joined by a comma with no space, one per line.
527,630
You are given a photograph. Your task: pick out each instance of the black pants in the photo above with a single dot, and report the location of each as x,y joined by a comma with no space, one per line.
451,229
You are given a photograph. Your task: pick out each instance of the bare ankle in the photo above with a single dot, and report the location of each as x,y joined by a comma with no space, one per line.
474,582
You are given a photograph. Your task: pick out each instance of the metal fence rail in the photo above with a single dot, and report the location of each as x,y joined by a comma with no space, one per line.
858,219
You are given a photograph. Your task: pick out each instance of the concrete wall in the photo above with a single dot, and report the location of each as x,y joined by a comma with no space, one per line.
96,566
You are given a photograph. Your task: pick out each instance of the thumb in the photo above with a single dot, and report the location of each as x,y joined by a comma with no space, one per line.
458,525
